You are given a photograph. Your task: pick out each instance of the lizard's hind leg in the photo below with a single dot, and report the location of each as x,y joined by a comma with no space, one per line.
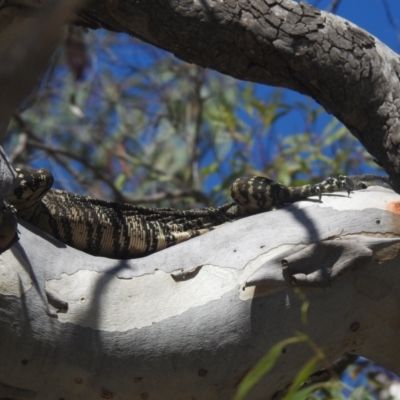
331,185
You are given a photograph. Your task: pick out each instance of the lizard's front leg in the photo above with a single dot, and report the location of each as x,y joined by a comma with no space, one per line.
31,185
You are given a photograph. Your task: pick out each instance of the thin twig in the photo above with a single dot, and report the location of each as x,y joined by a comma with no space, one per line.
334,6
389,16
20,148
198,118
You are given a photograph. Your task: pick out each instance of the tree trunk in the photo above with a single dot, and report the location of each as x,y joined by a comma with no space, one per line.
190,321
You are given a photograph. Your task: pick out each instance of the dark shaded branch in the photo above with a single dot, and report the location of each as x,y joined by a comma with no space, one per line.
29,33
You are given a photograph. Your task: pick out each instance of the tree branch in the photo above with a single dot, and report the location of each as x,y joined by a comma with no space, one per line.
281,43
29,33
189,314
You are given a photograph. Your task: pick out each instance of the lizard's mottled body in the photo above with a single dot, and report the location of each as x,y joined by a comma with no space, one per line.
116,230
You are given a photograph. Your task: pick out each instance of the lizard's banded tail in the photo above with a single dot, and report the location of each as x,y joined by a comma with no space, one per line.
259,194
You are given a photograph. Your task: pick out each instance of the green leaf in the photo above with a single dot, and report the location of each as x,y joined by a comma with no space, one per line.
265,365
302,376
120,181
331,390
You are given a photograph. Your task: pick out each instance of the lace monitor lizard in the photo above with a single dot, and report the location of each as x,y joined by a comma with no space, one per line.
122,231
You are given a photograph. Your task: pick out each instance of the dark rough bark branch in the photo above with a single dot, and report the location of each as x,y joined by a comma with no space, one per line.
281,43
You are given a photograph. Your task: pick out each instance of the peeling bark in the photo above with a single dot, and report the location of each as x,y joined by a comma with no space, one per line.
130,328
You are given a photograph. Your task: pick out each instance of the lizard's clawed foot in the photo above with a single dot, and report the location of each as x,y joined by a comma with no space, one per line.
346,183
331,185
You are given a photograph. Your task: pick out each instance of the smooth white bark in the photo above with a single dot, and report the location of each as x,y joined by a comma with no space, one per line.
181,324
